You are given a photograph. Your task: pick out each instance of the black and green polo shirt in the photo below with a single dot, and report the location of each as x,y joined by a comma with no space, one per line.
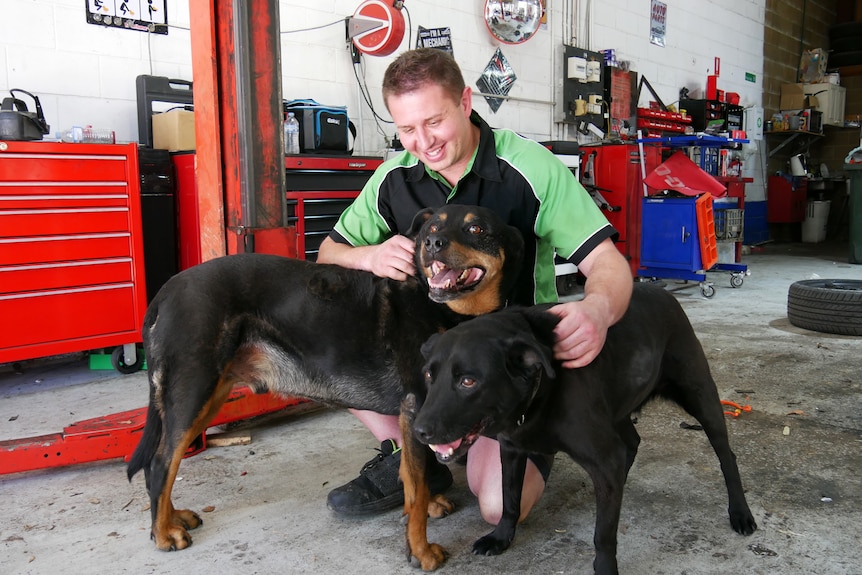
518,178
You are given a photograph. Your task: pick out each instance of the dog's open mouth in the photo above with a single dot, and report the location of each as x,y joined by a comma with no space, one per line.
445,281
450,451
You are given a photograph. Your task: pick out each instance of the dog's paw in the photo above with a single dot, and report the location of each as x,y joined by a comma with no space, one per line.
743,522
439,506
173,535
174,538
430,559
490,545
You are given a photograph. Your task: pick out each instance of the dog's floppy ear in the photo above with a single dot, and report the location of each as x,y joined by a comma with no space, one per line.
428,346
526,355
418,221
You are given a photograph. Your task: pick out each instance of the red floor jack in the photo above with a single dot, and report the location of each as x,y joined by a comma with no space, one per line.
116,436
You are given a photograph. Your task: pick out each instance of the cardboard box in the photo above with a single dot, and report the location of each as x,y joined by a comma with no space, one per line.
174,130
793,97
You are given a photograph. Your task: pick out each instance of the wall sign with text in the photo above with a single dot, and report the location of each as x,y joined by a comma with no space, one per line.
657,23
440,38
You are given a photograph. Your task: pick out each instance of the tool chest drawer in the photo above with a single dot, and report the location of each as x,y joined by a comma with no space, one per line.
71,248
47,221
103,163
15,251
72,319
48,276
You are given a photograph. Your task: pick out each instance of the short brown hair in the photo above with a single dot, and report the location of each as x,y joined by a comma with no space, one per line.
416,68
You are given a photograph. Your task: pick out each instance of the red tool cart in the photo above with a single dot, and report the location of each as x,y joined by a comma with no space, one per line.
71,249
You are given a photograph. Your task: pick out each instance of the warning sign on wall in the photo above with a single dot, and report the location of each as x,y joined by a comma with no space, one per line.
141,15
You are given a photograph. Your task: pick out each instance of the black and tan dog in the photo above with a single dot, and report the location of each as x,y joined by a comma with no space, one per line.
334,335
495,375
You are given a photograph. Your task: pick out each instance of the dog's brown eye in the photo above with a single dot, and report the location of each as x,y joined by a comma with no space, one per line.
475,229
427,375
467,382
434,228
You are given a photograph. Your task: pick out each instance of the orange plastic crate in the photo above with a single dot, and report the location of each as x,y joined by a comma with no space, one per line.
706,231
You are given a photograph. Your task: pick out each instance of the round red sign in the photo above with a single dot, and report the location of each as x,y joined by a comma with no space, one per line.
385,38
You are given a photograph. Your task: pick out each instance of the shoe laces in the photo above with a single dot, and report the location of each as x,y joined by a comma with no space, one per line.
381,455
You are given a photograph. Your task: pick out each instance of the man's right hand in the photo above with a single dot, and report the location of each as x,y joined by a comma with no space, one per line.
391,259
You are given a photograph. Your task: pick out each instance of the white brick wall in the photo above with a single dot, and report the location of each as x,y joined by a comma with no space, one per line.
85,74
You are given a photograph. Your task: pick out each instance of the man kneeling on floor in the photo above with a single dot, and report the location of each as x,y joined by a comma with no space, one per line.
453,156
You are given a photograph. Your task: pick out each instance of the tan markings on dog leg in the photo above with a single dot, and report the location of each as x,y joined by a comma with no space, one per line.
486,297
170,529
416,500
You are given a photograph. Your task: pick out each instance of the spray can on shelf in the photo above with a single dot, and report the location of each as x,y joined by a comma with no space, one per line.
291,134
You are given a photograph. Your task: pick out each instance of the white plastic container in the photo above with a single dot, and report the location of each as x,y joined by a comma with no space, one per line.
814,224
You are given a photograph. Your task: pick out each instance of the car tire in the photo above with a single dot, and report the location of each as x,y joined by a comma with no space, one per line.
826,305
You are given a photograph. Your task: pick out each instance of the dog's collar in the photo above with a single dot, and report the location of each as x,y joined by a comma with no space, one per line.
536,383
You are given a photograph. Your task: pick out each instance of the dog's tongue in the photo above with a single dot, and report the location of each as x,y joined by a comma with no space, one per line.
446,449
444,279
449,278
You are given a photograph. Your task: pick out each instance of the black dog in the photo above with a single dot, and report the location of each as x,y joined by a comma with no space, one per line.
334,335
495,375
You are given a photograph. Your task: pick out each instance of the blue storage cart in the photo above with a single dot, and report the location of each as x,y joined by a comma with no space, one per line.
670,244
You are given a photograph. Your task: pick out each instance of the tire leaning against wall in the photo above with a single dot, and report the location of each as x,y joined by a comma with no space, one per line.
826,305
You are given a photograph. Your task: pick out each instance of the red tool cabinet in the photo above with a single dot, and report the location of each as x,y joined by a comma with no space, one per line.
786,199
319,188
612,175
71,248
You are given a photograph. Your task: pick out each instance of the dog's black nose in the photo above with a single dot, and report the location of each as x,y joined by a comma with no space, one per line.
422,432
435,243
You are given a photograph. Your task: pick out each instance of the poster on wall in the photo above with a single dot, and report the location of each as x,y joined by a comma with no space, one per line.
496,80
141,15
440,38
657,23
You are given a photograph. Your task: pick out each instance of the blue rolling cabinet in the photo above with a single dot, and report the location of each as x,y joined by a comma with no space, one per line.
670,235
670,246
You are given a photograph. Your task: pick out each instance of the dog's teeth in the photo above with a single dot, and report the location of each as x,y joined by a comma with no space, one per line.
450,452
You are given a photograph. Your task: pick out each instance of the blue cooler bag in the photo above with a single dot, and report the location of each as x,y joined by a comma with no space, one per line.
322,129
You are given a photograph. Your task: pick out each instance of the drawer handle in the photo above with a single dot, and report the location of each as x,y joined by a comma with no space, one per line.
685,235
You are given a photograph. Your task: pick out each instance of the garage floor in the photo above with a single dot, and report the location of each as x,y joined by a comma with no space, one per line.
799,451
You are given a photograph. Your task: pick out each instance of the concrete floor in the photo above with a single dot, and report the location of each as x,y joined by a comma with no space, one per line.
799,451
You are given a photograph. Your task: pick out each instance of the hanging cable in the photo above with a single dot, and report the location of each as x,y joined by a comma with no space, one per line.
366,96
339,22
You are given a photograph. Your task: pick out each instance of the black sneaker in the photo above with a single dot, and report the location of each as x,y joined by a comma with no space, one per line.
378,487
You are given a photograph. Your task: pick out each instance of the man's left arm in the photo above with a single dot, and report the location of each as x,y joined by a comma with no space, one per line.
584,323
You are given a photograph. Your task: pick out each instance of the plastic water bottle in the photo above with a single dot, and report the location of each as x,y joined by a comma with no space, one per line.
87,135
291,134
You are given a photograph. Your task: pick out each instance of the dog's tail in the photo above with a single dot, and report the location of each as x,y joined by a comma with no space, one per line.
146,449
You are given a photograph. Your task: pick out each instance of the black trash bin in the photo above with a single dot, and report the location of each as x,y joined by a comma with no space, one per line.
158,217
854,171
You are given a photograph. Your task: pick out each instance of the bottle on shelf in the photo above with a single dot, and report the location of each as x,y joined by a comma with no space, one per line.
291,134
87,135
